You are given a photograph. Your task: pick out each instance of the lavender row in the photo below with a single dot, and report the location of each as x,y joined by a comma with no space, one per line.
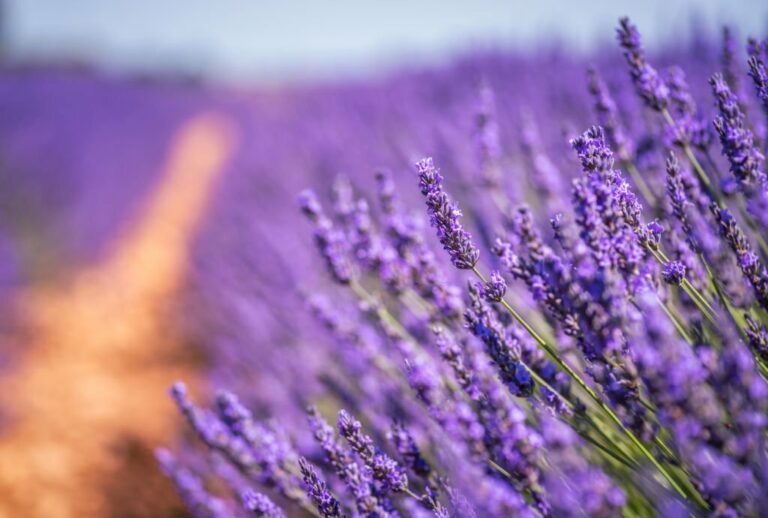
567,333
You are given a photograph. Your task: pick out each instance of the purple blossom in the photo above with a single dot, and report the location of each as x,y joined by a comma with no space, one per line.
495,289
409,451
678,198
485,423
674,273
340,458
691,128
731,67
453,354
215,433
737,141
331,242
675,380
751,266
383,468
487,138
759,76
583,488
318,491
260,505
445,217
608,210
608,115
758,337
647,81
199,502
512,372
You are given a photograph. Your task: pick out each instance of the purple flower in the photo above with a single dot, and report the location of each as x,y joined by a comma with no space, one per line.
678,198
577,488
595,156
486,424
607,209
737,141
691,128
758,337
445,217
340,458
649,85
731,67
674,273
383,468
331,241
608,114
260,505
453,354
755,47
676,383
750,264
408,450
215,433
318,491
191,490
495,289
487,138
512,372
759,76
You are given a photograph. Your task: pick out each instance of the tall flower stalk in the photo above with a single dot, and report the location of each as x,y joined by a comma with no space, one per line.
606,357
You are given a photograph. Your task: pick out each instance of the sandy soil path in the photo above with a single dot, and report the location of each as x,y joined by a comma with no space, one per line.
86,403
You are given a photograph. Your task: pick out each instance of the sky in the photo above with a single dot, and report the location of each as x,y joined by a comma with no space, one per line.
282,39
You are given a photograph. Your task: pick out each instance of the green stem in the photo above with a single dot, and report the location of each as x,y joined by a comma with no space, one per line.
703,178
384,365
713,166
590,392
675,322
701,302
640,182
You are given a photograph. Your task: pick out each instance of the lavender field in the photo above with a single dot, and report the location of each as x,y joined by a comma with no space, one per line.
518,284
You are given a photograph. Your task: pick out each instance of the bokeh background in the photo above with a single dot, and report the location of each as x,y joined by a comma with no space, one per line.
150,153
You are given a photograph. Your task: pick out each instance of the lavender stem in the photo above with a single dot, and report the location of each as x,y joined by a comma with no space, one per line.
590,392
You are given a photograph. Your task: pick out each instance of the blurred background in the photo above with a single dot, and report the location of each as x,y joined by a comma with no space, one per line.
145,145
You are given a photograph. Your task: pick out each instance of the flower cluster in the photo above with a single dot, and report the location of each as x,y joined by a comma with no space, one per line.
605,355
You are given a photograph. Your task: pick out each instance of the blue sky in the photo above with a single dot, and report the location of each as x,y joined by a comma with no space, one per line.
278,39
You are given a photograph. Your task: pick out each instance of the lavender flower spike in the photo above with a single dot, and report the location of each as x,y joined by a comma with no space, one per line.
318,491
445,217
729,61
608,114
340,458
408,450
674,273
260,505
760,78
495,289
382,466
736,139
749,262
758,337
647,81
330,241
190,488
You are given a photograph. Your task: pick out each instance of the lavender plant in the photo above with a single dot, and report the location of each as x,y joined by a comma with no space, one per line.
590,352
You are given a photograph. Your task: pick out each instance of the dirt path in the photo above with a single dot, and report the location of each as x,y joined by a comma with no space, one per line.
87,401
